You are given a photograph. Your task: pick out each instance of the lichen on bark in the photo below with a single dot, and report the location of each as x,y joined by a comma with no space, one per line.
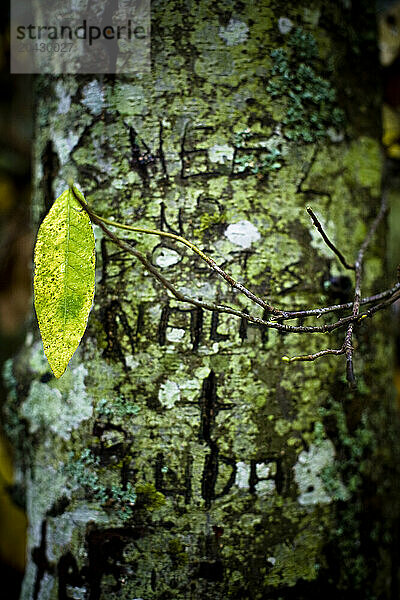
252,477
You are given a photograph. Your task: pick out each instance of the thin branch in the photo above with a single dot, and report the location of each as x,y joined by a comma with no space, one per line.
208,305
318,312
371,311
234,284
368,314
327,241
282,314
388,296
310,357
348,342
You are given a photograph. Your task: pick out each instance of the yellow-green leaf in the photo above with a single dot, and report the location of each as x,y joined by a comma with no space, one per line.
64,278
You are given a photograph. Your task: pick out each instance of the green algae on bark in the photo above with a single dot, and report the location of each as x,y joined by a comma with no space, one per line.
196,411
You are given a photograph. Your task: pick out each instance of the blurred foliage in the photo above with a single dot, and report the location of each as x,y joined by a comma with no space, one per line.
15,286
389,47
12,517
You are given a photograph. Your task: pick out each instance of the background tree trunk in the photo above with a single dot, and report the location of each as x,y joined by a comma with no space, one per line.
179,457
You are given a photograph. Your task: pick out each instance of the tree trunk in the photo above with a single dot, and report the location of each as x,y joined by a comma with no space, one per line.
179,457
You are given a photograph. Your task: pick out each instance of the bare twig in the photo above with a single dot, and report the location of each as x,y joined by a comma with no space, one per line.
327,241
348,342
208,305
388,296
318,312
279,313
370,312
310,357
234,284
328,327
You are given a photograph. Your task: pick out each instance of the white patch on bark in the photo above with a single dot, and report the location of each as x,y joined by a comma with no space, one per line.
263,470
59,409
242,234
335,136
60,529
220,153
131,361
284,25
242,475
93,97
46,587
234,33
41,496
64,146
308,475
169,393
265,487
175,334
167,257
64,102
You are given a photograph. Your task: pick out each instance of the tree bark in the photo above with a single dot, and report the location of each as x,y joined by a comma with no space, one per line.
179,457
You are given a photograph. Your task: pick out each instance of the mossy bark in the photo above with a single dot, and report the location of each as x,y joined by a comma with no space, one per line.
179,457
